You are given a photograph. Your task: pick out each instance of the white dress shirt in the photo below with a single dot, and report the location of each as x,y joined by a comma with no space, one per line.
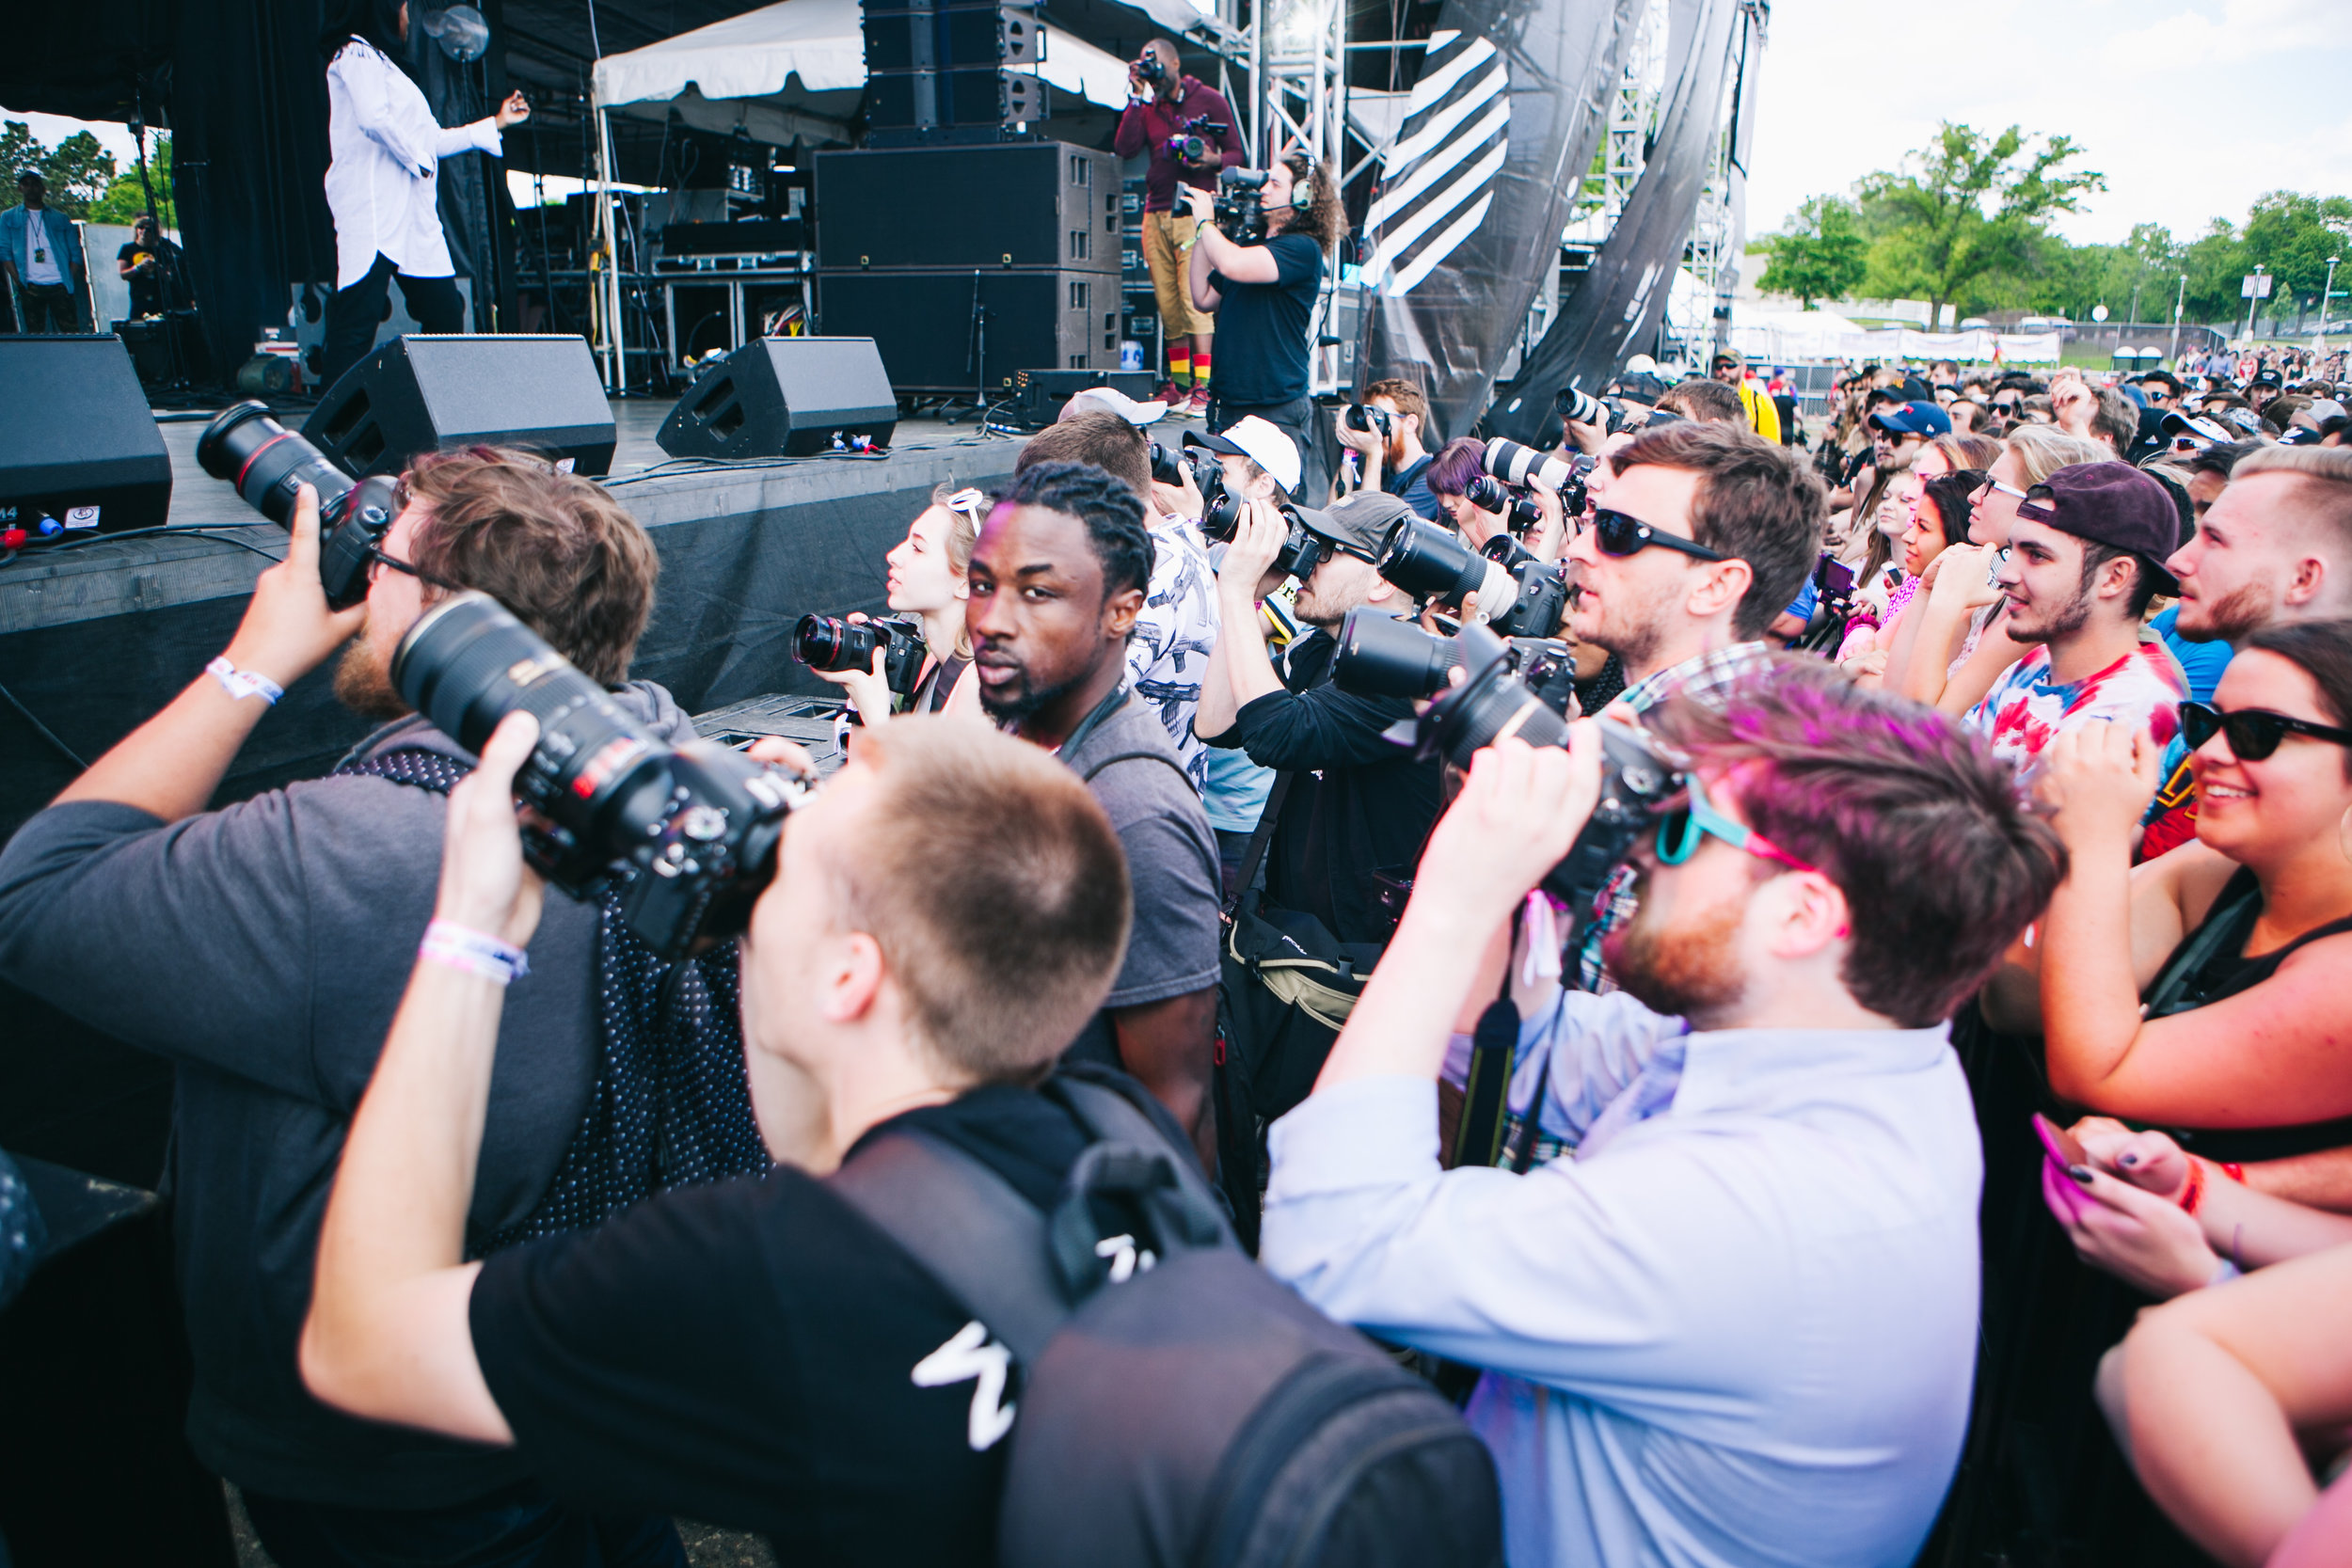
386,149
1737,1326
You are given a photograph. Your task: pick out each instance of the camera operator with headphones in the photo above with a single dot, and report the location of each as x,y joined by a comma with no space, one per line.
1261,287
263,948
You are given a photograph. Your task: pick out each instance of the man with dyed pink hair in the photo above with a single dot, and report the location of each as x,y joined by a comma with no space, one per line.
1733,1320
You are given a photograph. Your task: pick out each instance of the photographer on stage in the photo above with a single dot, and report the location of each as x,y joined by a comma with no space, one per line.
1261,282
1191,134
1737,1323
262,948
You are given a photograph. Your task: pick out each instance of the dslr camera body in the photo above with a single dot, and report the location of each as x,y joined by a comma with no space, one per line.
268,464
834,643
690,832
1385,656
1149,70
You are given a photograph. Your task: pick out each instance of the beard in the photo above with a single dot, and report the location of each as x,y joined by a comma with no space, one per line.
2062,621
1691,971
1022,701
2235,615
363,684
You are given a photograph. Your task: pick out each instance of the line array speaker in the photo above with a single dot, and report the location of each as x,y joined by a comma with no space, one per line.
77,442
923,321
1015,204
418,394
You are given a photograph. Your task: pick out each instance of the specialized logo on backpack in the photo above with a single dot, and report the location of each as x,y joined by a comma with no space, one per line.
973,1355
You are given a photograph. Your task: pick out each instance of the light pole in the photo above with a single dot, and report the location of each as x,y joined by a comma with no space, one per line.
2253,292
2179,300
2326,292
2133,317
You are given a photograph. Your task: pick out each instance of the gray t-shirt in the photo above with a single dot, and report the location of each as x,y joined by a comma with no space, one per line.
1172,866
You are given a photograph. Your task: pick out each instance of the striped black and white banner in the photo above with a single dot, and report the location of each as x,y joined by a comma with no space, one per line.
1438,180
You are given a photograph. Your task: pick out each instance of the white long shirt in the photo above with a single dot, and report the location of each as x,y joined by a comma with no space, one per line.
386,148
1737,1326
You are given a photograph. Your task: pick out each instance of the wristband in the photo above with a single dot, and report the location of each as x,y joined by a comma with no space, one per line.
2194,1192
243,683
2231,1169
475,952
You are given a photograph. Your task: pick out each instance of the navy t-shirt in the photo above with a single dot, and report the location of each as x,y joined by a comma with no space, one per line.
1262,328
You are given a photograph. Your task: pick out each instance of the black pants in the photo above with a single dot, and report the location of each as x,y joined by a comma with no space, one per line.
353,314
48,307
1295,420
519,1528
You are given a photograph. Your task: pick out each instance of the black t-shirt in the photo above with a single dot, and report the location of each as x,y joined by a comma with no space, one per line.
1262,328
746,1353
147,288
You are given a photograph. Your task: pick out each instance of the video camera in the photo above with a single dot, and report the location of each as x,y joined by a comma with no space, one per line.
1192,142
833,643
1519,595
1241,204
268,464
688,832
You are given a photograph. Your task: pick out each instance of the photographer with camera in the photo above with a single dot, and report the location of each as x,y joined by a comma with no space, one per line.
1737,1323
262,948
1257,263
1384,431
927,580
1057,578
1191,134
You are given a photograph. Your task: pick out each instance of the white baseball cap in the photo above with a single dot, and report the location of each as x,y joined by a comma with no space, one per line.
1259,441
1117,403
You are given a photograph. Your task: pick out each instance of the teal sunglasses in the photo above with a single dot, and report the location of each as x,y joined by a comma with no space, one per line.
1680,830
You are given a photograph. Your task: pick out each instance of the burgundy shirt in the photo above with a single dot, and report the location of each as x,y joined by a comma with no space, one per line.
1149,124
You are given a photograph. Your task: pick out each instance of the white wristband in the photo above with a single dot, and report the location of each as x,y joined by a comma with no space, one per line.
475,952
243,683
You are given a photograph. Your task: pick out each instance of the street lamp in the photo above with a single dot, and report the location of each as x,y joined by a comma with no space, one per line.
2326,292
2255,289
2179,301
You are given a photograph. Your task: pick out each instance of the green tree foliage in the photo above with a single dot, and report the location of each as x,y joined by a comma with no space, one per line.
2291,237
1822,255
78,169
126,198
1967,209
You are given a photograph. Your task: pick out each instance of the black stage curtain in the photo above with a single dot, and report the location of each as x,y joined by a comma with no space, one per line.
249,117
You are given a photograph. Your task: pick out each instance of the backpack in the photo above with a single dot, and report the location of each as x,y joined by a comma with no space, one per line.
1178,1407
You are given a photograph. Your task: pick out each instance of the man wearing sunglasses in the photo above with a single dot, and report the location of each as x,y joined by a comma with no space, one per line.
2274,546
2083,562
262,948
1736,1322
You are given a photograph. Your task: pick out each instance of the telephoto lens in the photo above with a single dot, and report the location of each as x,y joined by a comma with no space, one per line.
1430,562
269,464
1381,656
1583,407
834,643
690,831
1638,777
1167,467
1220,510
1519,466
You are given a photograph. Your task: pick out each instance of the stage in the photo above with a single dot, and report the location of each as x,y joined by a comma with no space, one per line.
97,638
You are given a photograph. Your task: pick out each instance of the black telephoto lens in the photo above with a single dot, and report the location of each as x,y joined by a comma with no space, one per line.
1380,656
1167,467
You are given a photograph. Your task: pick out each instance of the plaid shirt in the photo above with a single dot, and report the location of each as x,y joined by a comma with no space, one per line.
1704,678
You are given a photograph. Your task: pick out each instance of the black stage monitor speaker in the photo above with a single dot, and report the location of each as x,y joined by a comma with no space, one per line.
416,394
77,442
784,397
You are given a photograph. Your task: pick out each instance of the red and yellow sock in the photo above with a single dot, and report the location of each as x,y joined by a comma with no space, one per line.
1201,370
1180,363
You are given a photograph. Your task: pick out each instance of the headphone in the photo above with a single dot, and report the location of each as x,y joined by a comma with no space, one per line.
1302,185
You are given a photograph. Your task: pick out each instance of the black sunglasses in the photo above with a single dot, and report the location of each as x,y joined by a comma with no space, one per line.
2253,733
1620,534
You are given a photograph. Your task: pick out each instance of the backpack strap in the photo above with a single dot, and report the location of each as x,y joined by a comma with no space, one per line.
969,1229
1260,837
1116,757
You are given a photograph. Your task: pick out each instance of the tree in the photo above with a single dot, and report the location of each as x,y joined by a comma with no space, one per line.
2291,236
1967,209
126,198
78,169
1821,256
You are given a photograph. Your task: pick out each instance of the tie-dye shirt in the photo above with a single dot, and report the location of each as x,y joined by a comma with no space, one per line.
2024,708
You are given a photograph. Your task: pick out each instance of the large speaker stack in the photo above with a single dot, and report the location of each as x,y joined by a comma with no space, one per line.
967,264
937,70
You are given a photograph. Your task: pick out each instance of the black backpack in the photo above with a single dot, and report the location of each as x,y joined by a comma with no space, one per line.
1178,1405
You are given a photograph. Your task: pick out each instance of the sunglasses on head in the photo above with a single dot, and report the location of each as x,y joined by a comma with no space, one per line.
1620,533
2254,733
1680,829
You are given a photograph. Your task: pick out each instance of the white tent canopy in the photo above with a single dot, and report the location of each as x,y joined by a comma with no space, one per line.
796,69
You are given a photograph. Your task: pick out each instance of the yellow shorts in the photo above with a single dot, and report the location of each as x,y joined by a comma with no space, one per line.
1164,235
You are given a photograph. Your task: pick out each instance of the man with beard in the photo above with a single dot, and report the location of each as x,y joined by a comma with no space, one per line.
1735,1324
1058,576
1392,455
2082,565
2274,545
1355,805
262,949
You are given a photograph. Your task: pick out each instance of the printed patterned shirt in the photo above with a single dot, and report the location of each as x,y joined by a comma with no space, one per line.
1174,634
2026,709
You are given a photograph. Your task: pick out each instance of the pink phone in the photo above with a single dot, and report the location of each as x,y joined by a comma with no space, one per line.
2063,1146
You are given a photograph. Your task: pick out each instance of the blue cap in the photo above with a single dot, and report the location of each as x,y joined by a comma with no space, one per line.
1913,418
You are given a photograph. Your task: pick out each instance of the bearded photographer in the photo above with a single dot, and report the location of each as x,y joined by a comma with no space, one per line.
262,948
1390,456
1262,290
1737,1323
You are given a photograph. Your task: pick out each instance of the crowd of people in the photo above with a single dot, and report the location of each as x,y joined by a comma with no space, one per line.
1995,707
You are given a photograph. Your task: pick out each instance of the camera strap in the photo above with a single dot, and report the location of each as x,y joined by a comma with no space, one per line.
1259,838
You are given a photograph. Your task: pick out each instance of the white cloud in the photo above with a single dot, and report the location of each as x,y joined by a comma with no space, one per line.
2191,112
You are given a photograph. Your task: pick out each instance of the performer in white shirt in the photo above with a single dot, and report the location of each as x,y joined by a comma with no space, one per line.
381,188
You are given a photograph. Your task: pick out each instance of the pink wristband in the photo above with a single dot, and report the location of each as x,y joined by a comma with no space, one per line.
475,952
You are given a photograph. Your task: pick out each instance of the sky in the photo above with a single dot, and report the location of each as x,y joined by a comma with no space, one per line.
2164,95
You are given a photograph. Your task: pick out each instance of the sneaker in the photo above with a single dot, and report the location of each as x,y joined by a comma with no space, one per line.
1198,405
1172,394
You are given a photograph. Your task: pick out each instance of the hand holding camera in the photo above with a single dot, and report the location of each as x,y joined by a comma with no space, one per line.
486,886
1520,812
289,629
868,659
1260,534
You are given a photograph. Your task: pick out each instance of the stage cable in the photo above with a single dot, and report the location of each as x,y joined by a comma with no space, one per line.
42,730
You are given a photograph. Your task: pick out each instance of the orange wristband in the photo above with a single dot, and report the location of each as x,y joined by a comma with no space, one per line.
2194,1192
2231,1169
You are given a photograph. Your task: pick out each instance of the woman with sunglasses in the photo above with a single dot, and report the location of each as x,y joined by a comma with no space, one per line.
927,580
1960,648
1939,520
1889,577
2205,989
